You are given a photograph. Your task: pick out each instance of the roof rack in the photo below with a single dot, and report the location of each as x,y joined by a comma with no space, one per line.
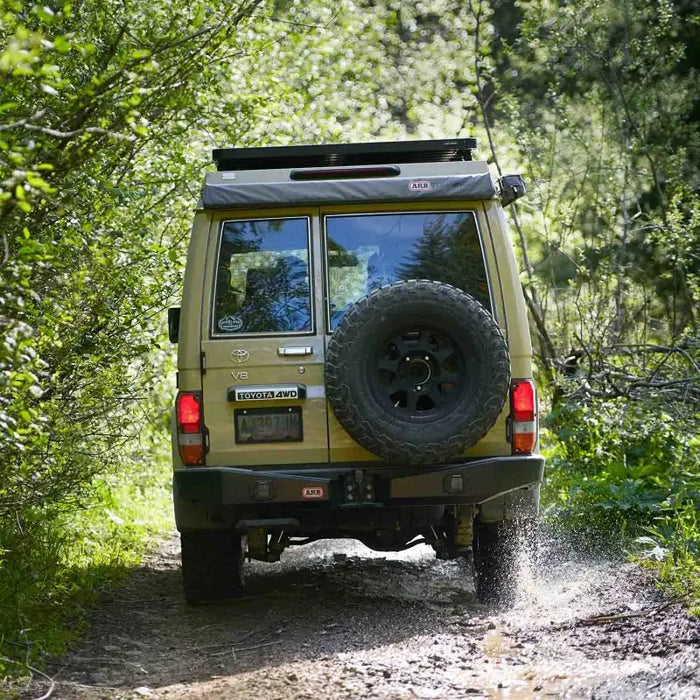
265,158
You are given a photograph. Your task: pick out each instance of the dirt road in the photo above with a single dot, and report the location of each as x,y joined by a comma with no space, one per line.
335,620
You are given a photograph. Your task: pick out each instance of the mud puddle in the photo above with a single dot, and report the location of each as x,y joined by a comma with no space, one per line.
336,620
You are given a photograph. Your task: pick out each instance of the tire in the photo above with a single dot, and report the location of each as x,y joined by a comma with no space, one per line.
212,565
417,371
498,551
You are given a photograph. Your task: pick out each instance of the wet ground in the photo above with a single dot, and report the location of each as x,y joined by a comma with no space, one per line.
336,620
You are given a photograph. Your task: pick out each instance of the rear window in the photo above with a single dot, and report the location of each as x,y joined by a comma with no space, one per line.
262,277
368,251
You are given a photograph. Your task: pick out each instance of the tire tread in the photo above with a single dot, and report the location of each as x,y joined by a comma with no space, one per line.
212,565
377,438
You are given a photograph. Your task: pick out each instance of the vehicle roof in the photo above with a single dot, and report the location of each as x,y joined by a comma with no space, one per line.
404,171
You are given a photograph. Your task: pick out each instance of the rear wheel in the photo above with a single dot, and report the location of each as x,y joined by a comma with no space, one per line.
499,549
212,565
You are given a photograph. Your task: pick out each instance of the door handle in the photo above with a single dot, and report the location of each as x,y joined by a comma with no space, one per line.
295,351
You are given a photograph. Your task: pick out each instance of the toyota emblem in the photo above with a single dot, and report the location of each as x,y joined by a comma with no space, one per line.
239,356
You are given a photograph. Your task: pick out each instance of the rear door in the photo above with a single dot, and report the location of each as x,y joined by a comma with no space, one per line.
263,340
369,246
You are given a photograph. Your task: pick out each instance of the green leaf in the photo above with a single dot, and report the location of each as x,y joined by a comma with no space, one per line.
44,13
61,44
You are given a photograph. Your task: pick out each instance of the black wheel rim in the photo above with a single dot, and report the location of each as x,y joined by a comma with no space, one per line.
418,373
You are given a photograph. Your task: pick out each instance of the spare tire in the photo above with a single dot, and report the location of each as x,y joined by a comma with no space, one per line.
417,371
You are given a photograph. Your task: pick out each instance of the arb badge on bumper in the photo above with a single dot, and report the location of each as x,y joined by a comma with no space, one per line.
312,492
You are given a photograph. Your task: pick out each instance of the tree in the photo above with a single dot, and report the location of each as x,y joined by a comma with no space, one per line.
105,110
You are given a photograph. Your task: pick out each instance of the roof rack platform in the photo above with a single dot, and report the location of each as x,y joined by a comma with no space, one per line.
266,158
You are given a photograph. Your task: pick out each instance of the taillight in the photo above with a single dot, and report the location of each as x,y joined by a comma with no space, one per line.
190,427
523,416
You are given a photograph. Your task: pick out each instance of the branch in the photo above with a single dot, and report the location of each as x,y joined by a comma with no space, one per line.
302,24
6,250
604,619
665,384
535,311
630,348
49,692
77,132
23,122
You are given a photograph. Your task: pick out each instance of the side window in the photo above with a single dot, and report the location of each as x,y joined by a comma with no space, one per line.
262,277
367,251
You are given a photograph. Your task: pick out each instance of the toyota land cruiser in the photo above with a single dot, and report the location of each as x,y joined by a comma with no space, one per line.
354,361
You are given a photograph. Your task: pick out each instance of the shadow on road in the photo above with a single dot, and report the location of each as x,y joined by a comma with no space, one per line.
321,600
335,620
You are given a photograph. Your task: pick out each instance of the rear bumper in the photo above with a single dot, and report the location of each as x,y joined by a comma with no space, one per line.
346,486
473,482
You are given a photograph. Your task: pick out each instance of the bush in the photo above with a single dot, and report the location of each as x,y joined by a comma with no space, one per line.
54,563
621,470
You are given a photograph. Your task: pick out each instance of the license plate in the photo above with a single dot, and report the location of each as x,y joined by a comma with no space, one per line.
268,425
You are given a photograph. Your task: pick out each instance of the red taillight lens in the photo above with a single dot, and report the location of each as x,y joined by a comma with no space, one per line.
190,427
189,412
523,393
523,416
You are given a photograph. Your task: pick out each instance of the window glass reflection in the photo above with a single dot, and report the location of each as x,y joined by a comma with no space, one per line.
366,252
263,277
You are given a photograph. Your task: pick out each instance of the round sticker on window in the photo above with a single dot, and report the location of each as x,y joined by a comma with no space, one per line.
230,324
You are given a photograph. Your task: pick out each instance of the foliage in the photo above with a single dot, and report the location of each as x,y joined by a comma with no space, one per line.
622,472
619,455
604,97
103,107
361,70
607,119
100,102
56,566
672,548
